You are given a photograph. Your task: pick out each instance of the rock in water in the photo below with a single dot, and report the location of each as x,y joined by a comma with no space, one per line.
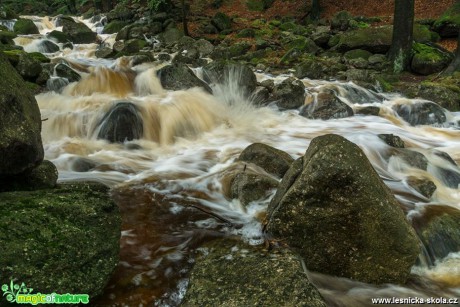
63,240
332,206
221,278
21,146
122,123
179,77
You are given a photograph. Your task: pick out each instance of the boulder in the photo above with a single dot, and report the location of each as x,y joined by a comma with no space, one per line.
114,26
179,76
47,46
120,12
238,76
424,186
25,26
56,84
21,146
121,123
272,160
28,66
392,140
170,36
326,106
220,278
370,110
335,210
341,21
289,94
428,60
444,92
411,157
63,240
6,37
78,32
438,227
58,36
65,71
421,113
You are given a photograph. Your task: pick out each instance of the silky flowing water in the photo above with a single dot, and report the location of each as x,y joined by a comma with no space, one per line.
172,185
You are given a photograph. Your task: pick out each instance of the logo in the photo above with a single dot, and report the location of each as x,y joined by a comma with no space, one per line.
20,294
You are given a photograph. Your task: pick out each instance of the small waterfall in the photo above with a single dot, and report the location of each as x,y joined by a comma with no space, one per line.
8,23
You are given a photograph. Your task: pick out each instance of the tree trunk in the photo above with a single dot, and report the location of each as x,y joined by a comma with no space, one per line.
401,45
184,18
455,64
315,10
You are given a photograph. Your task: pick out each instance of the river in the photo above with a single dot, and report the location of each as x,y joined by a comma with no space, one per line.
171,184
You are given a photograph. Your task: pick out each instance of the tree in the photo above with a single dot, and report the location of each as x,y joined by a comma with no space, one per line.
315,10
401,45
455,64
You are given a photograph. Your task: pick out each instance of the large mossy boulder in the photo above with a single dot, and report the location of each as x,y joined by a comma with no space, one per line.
25,26
6,38
78,32
63,240
428,60
448,24
272,160
123,122
44,176
335,210
233,274
21,146
179,76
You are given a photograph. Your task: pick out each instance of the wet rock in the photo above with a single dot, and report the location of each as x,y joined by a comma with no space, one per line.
392,140
64,71
28,67
272,160
231,74
260,96
78,249
47,46
289,94
104,52
180,77
424,186
81,164
439,230
78,32
335,210
59,36
121,123
248,187
422,113
370,110
326,106
44,176
21,147
6,37
25,26
450,176
164,57
412,158
56,84
444,92
220,278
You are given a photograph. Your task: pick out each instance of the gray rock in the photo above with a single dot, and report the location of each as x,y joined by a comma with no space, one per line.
248,187
424,186
28,67
222,72
21,146
326,106
220,278
47,46
78,32
289,94
272,160
64,71
370,110
333,207
392,140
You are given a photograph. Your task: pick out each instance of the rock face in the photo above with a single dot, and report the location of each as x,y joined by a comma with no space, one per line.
21,146
272,160
64,240
332,206
122,123
221,278
179,77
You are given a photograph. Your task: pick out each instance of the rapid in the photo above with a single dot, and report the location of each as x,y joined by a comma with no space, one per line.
172,184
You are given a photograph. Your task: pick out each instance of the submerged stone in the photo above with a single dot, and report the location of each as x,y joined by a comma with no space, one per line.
326,106
230,273
335,210
423,113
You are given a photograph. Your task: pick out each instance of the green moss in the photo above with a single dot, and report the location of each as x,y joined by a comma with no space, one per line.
25,26
114,26
451,15
427,53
